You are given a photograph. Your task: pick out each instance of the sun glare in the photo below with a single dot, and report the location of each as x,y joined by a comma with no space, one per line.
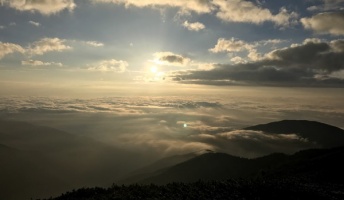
154,70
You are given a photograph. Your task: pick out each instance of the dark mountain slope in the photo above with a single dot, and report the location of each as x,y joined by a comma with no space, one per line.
326,135
161,164
299,176
39,160
316,164
210,166
321,165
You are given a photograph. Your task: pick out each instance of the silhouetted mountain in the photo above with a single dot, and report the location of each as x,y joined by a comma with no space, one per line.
38,160
210,166
326,135
161,164
309,174
321,165
314,164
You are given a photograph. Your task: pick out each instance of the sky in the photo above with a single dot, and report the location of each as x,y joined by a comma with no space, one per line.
68,47
168,77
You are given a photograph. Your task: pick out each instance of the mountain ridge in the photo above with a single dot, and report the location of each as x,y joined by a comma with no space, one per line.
221,166
324,134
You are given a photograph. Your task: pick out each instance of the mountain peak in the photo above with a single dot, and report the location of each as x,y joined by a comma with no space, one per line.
324,134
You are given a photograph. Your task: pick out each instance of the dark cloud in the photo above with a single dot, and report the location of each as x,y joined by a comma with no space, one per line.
171,58
312,54
307,64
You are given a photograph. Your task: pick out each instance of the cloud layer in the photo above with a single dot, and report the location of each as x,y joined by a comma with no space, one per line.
160,126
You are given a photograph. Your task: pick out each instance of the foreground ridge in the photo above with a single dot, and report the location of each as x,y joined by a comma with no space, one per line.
229,189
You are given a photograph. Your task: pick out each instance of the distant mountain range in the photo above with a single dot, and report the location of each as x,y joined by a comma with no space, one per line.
307,174
40,161
221,166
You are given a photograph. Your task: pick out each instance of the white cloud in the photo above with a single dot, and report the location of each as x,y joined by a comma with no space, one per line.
34,23
325,23
46,7
198,6
2,27
238,60
196,26
232,45
271,41
246,11
40,63
110,65
230,10
46,45
94,43
8,48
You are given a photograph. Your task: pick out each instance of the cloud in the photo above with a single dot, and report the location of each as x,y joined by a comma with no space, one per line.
238,60
110,66
45,7
306,64
328,5
196,26
271,41
311,54
34,23
154,125
40,63
248,12
252,144
234,45
94,43
231,10
198,6
2,27
8,48
170,58
325,23
47,45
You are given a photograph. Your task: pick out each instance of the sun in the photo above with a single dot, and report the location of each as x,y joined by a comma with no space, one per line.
154,69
